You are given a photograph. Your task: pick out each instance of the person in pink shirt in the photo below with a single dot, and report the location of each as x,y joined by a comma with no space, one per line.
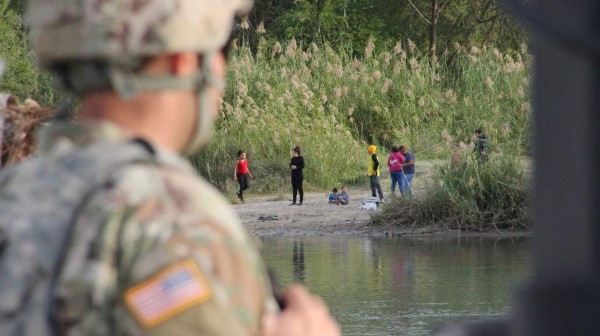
242,174
395,161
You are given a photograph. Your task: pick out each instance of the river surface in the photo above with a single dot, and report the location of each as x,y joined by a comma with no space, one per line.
405,286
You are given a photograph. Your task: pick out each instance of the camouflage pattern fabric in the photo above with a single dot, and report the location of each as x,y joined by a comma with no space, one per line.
155,250
65,30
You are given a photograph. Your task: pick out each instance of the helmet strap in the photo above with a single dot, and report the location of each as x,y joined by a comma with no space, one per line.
204,122
128,85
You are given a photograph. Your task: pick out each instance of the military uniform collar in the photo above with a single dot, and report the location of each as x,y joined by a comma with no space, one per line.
61,137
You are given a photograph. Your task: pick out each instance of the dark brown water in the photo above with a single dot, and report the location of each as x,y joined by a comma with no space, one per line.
402,286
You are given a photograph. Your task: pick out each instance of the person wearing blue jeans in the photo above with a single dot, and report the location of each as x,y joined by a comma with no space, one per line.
395,161
408,167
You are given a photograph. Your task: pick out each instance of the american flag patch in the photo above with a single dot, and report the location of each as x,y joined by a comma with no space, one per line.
171,291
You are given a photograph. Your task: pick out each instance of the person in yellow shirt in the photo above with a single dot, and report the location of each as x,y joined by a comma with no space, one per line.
373,173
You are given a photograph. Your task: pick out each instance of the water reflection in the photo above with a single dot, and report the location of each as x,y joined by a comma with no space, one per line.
402,286
298,262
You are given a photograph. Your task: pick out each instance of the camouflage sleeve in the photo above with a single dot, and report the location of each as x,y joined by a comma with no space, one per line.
172,260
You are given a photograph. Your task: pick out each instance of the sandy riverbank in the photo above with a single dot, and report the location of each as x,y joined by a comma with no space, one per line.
267,216
270,216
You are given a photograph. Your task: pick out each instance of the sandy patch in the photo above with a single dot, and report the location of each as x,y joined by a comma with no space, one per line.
266,216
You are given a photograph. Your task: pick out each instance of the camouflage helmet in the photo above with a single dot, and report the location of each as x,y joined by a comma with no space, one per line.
119,30
119,34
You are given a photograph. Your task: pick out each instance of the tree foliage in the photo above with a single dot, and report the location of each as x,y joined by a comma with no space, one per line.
341,24
352,22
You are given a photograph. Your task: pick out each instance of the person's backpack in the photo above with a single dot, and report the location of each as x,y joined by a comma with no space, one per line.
34,232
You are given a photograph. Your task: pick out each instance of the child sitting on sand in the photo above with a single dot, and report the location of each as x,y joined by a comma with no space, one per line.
344,197
333,196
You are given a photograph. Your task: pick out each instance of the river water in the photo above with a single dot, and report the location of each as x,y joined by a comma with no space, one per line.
404,286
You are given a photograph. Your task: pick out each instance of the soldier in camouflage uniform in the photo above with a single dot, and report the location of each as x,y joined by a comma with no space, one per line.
108,231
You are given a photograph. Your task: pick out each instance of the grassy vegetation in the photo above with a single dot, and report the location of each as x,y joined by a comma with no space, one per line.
21,78
333,105
467,195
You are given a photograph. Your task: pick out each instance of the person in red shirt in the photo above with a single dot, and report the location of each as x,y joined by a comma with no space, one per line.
242,174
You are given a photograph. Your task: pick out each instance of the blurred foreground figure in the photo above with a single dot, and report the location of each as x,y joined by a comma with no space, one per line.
108,231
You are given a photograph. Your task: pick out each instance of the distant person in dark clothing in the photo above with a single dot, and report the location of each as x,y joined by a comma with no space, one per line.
242,174
373,173
296,166
481,145
408,167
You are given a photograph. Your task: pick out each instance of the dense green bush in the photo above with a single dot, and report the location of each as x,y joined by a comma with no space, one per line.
467,195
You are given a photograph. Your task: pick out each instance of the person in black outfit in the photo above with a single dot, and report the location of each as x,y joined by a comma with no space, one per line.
296,166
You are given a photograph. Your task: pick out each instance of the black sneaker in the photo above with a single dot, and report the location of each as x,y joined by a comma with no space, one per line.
238,195
300,203
293,203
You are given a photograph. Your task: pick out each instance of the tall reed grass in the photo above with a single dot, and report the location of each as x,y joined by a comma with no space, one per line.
334,104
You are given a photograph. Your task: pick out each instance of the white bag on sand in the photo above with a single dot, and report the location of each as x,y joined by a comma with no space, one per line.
369,204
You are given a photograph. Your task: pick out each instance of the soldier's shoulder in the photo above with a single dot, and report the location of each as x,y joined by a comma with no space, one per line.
171,181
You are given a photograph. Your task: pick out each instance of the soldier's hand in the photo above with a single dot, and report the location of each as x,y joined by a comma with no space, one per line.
304,315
